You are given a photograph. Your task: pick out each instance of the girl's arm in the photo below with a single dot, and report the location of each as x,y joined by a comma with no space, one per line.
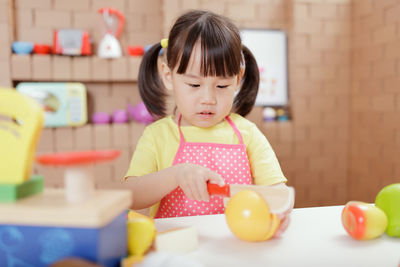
192,179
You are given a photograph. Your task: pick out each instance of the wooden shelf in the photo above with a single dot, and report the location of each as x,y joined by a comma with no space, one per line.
67,68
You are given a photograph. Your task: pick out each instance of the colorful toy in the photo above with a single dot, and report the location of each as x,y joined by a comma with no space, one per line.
21,121
140,113
141,232
279,199
22,48
64,103
249,217
41,49
72,42
101,118
109,46
120,116
135,50
79,178
13,192
388,199
45,228
363,221
269,114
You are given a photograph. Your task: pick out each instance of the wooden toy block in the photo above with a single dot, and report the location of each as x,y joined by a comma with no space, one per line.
94,230
14,192
41,67
62,68
177,240
81,69
21,67
119,69
100,69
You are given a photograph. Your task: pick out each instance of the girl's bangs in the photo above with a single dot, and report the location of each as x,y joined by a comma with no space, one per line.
220,56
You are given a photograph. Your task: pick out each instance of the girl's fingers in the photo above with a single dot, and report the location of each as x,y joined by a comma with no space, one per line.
215,178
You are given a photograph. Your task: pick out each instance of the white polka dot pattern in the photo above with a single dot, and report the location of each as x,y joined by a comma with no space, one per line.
228,160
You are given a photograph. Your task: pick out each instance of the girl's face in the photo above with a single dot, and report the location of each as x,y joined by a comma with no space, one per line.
202,101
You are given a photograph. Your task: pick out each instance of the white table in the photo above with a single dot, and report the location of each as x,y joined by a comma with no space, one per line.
315,237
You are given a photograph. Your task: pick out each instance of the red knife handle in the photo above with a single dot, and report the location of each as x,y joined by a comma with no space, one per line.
214,189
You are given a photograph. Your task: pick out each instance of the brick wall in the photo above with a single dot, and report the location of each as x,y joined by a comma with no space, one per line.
312,147
342,139
375,98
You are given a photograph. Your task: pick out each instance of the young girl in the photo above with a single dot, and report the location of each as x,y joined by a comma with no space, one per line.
214,80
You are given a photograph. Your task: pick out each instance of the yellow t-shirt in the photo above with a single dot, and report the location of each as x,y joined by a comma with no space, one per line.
157,147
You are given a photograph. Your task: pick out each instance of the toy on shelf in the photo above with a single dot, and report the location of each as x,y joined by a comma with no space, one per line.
114,21
101,118
71,42
137,50
22,48
42,49
363,221
21,122
140,113
388,199
64,103
79,178
269,114
120,116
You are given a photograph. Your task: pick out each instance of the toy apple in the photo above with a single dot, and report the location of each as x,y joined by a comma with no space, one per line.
363,221
249,218
388,199
141,232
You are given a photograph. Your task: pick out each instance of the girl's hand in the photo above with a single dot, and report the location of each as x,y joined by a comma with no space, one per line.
193,179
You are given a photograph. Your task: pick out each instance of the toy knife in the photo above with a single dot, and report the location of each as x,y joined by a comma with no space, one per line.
278,198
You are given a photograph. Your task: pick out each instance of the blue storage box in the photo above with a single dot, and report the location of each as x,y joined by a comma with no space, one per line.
43,229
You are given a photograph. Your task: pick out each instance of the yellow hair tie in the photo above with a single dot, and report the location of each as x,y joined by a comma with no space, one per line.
164,43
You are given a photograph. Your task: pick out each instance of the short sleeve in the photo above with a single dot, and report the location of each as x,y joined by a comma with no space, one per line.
264,164
144,158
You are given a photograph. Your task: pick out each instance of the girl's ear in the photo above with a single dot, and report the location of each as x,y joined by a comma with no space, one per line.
239,78
166,75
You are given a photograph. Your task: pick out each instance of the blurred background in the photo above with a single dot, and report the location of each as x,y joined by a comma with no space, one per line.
340,136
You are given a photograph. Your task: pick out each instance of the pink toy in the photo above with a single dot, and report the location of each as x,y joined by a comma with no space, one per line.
101,118
120,116
140,113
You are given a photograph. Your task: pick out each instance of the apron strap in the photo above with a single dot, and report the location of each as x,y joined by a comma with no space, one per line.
231,123
237,132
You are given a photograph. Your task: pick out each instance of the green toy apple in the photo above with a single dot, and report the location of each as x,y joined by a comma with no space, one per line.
388,199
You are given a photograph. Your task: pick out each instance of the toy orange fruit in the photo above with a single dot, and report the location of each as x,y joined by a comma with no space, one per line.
363,221
249,218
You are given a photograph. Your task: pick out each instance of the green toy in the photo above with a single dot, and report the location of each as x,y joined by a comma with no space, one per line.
388,199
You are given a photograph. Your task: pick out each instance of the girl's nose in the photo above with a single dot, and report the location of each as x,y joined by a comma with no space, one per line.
208,96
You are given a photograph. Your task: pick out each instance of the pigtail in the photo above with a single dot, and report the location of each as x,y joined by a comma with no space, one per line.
244,101
151,88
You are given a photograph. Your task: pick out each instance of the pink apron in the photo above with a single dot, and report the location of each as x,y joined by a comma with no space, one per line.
228,160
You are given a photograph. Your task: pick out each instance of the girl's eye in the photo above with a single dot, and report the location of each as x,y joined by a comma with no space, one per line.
194,85
222,86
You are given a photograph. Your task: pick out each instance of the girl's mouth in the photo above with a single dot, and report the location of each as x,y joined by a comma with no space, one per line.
206,114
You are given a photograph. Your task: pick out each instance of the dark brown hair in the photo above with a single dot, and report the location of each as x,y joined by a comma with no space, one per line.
222,54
